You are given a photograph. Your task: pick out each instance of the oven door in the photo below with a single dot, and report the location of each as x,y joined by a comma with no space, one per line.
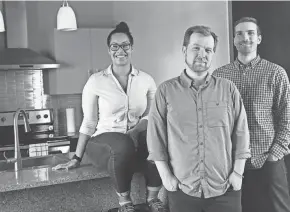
58,147
54,147
8,152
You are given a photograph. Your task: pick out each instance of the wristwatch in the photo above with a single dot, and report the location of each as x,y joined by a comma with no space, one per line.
77,158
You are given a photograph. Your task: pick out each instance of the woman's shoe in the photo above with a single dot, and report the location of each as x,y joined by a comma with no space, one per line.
129,207
156,205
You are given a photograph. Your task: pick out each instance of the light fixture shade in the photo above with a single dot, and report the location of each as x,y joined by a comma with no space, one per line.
66,18
2,26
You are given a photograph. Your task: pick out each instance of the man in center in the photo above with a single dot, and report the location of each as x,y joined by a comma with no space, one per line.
198,133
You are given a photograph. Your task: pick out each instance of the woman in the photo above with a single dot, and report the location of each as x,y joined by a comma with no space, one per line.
116,103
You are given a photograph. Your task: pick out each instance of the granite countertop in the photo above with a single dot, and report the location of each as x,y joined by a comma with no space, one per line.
30,178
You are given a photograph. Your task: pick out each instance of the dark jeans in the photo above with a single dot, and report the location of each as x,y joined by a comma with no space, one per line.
266,189
116,151
228,202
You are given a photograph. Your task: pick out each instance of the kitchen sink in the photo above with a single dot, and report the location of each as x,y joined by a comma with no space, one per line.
36,162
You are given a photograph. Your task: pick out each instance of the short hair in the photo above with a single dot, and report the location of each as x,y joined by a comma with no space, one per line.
122,27
248,19
204,30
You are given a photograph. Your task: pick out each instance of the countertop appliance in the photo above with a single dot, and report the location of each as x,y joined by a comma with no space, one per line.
42,140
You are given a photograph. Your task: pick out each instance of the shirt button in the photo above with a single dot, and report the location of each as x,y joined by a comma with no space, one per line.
201,143
201,161
217,104
199,109
200,126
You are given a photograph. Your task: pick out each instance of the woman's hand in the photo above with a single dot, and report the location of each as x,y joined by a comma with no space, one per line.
134,135
69,165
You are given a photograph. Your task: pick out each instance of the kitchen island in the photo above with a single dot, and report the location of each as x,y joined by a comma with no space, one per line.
86,188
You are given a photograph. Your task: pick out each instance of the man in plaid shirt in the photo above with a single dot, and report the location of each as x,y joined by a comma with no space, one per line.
265,90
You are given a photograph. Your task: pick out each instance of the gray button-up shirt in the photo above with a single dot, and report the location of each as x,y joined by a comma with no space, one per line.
199,132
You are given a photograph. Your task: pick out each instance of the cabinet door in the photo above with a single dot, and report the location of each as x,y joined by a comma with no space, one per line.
73,53
99,50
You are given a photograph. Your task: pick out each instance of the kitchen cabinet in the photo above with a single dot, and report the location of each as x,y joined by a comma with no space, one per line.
79,53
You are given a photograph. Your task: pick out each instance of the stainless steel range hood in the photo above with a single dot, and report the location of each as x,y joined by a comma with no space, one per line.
24,58
17,55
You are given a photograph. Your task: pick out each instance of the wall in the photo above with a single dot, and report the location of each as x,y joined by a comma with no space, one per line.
158,29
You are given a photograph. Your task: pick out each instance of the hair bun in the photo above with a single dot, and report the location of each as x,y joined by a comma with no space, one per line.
122,26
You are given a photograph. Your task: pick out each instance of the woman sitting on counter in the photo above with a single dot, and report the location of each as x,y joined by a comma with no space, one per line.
116,102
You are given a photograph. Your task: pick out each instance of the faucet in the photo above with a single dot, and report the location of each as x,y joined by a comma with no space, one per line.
17,155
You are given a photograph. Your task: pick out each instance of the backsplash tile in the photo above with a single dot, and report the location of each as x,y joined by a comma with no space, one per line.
21,89
24,89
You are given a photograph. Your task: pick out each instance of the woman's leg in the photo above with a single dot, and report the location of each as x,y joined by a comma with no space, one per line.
152,177
117,152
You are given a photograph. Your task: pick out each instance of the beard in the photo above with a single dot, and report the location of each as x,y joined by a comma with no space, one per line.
198,66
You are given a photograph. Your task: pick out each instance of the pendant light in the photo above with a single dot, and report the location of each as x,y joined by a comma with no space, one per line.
66,18
2,26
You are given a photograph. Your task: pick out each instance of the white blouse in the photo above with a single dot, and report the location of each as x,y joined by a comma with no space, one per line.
108,108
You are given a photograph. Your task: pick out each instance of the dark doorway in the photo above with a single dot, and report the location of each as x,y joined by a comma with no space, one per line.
274,19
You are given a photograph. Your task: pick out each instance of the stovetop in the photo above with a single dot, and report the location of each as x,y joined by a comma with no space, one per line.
41,124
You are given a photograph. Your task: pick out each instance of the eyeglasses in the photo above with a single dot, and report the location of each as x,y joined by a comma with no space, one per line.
115,47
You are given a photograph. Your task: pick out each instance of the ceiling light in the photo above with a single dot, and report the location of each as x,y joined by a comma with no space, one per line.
66,18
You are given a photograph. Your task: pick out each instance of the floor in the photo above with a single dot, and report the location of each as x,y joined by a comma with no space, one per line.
140,208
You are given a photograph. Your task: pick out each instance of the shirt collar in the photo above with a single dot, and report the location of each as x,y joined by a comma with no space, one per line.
251,64
108,71
186,81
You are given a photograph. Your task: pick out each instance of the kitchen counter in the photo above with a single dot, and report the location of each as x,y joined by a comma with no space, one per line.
30,178
85,188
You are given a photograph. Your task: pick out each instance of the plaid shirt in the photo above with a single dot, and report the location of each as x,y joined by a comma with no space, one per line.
265,90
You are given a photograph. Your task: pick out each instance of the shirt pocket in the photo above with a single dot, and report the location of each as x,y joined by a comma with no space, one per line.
183,118
217,114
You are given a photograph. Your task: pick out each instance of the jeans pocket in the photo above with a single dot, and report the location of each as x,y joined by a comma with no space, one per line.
276,166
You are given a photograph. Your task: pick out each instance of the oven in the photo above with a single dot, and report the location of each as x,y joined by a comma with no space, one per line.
41,140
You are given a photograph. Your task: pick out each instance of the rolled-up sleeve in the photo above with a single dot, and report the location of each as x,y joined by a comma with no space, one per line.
281,110
150,96
240,135
90,107
157,130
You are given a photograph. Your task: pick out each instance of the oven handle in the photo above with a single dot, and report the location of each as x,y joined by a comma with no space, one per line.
55,152
4,155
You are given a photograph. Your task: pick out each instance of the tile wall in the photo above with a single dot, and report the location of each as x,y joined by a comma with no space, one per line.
24,89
